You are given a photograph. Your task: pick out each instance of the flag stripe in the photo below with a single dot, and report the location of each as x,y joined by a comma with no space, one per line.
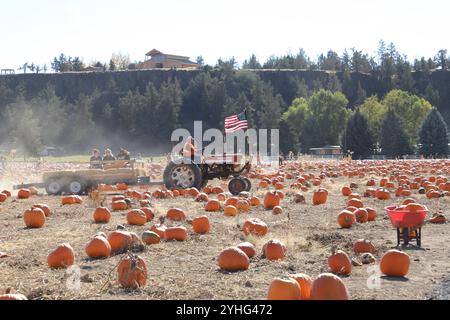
236,122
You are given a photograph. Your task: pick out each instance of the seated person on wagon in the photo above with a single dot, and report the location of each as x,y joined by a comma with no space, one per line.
108,156
123,155
96,160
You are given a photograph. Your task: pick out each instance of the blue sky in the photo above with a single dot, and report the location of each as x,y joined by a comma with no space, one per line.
38,30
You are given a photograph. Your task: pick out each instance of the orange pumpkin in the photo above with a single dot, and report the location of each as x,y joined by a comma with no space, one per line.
120,240
159,229
213,206
284,289
346,191
274,250
34,218
176,233
355,203
243,205
305,283
340,263
233,259
346,219
8,194
320,197
62,257
3,197
277,210
102,215
364,246
150,237
371,214
382,194
98,248
255,202
248,248
119,205
136,217
327,286
230,211
176,214
132,272
271,200
201,225
202,197
255,226
23,194
44,208
395,263
148,213
361,215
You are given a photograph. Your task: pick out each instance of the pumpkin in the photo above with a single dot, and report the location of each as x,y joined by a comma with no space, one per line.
201,225
176,214
263,184
382,194
221,197
132,272
217,190
248,248
339,262
23,194
3,197
119,205
305,283
176,233
361,215
284,289
98,248
34,218
243,205
320,197
408,201
213,206
327,286
255,202
233,259
159,229
414,207
122,186
364,246
395,263
150,237
117,198
69,200
120,240
230,211
271,200
193,192
277,210
202,197
62,257
346,191
274,250
371,214
12,296
355,203
44,208
233,201
148,213
102,215
346,219
8,194
255,226
438,219
136,217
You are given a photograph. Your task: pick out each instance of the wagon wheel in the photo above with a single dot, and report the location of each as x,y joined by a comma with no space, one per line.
75,185
53,187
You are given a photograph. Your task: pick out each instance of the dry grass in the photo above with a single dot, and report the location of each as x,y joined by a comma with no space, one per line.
188,270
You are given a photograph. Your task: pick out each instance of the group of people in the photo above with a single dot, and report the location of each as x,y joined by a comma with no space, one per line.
97,159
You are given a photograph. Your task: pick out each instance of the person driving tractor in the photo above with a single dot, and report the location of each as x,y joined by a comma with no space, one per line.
189,148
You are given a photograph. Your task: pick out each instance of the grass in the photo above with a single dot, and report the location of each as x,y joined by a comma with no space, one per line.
77,159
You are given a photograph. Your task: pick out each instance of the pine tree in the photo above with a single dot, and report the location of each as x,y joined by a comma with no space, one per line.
434,135
395,141
357,138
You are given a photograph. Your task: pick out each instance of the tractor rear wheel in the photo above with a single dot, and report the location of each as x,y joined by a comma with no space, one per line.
236,186
182,175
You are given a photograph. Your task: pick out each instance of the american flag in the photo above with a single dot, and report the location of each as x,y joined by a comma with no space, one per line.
236,122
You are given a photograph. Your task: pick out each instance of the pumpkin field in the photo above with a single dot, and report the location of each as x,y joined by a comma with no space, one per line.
311,230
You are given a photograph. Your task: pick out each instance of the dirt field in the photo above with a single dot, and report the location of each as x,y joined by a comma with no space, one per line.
188,270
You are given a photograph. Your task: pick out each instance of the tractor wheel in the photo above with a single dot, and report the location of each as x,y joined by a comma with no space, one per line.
248,184
54,187
183,175
76,186
236,186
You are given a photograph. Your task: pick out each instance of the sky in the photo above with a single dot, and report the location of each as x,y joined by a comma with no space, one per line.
38,30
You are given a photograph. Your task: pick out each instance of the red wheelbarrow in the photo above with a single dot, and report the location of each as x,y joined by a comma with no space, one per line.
408,224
